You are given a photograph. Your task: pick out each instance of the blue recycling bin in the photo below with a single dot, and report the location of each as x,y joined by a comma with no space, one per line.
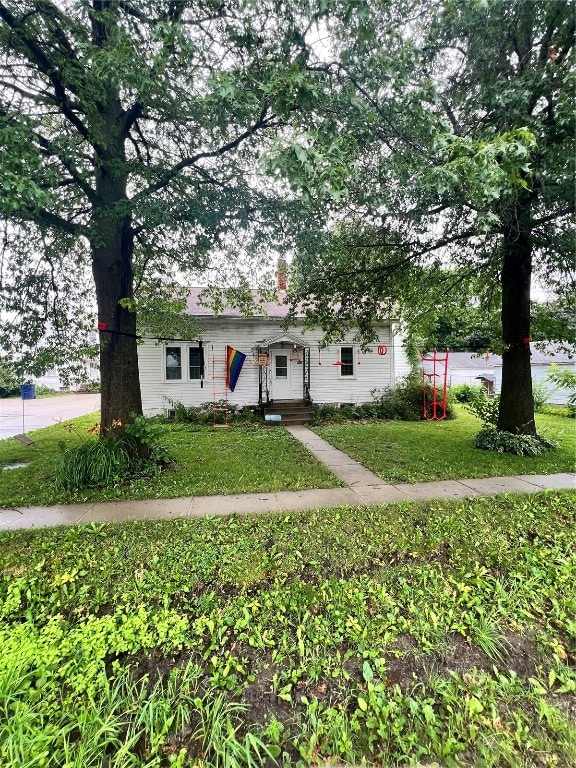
28,391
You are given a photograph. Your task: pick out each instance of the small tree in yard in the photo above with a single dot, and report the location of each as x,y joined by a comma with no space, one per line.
128,145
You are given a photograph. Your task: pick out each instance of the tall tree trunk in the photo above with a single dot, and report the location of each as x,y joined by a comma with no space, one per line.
112,270
112,259
516,412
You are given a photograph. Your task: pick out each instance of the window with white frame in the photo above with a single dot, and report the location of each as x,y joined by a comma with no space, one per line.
347,360
173,363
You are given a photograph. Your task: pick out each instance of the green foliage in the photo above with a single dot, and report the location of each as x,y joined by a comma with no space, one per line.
426,177
402,403
141,432
491,439
91,387
9,380
466,393
541,395
565,378
204,413
43,391
96,176
95,463
326,413
406,401
171,642
484,407
112,459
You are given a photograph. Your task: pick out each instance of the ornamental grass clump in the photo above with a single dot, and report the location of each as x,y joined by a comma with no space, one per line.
93,463
111,459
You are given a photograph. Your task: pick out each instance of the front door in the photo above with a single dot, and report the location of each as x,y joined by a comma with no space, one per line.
281,375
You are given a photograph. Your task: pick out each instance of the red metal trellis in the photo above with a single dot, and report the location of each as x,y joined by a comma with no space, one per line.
434,382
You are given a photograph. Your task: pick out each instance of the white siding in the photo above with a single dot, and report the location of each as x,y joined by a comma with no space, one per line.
371,370
468,375
401,365
539,374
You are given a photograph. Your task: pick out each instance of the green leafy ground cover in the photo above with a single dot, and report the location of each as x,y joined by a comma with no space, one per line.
442,631
411,452
239,460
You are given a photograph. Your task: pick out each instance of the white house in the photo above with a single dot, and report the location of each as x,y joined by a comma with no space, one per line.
540,364
467,368
280,364
87,372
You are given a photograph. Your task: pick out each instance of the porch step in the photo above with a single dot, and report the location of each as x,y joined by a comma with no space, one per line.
290,411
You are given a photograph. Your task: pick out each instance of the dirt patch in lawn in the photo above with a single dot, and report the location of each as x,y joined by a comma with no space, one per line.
519,654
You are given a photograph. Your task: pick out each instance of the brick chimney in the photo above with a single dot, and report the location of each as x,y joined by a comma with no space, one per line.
281,267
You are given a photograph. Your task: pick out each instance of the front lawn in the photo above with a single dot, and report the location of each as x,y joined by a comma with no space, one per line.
410,452
239,460
442,631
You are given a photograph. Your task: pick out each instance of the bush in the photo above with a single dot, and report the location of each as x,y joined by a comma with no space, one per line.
91,387
566,379
94,463
146,433
491,439
484,407
406,401
541,395
466,393
325,413
9,380
43,391
204,413
352,412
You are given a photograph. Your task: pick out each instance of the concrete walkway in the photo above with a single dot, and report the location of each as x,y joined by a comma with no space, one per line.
364,487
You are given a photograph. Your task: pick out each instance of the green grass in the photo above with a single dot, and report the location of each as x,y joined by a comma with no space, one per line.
412,452
239,460
436,632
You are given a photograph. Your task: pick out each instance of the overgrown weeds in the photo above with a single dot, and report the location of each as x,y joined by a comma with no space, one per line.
441,632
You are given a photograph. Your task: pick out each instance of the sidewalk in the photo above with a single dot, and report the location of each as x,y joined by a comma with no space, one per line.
363,488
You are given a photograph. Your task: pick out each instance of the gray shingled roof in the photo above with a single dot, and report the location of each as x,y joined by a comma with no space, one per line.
551,354
470,360
269,309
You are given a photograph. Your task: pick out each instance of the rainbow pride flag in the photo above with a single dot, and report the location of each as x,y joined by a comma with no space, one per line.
234,363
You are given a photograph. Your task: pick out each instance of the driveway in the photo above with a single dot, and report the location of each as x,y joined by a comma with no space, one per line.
43,412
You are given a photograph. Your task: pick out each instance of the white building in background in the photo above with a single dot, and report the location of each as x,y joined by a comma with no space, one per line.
90,372
540,363
467,368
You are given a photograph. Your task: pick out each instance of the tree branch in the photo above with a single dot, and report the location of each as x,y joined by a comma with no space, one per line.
165,179
58,222
35,55
82,184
